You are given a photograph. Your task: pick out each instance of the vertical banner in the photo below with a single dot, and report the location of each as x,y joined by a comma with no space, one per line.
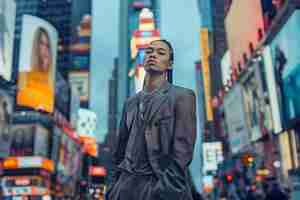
37,64
7,29
204,45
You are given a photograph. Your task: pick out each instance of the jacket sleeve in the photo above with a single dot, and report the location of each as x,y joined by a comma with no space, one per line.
121,143
184,129
173,183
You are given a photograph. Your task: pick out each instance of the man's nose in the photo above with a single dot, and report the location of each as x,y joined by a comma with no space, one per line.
152,55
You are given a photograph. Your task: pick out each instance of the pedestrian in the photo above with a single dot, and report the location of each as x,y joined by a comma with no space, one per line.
275,193
250,195
156,135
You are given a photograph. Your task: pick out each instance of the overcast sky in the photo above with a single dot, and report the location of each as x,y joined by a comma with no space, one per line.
105,34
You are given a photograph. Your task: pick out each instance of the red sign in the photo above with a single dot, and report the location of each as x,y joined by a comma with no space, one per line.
97,171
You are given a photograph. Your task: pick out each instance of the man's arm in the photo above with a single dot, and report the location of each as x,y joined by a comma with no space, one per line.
172,182
121,143
185,128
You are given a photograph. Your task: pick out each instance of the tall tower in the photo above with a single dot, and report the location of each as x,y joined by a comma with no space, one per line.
129,23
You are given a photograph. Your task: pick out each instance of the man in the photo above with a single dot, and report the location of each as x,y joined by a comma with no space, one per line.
156,135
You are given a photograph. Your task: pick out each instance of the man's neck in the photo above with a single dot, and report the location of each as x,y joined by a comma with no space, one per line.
153,81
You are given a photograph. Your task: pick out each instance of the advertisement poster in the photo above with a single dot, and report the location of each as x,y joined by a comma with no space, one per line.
6,107
212,156
257,112
87,121
37,64
68,163
81,34
86,129
7,30
236,121
79,82
286,66
22,141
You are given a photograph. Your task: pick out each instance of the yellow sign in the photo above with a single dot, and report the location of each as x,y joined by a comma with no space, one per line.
204,45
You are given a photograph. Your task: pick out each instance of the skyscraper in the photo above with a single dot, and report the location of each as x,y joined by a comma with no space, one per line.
129,23
213,14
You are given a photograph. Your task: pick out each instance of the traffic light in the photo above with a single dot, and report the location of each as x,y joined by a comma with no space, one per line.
258,178
247,159
229,178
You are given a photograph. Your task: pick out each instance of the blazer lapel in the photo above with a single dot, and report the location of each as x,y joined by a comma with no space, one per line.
159,99
132,111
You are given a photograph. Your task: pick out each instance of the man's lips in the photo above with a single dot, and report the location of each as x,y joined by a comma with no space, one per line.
151,61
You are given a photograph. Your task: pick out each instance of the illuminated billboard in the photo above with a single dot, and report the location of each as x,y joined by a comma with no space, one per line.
238,133
86,129
212,155
285,54
22,140
6,109
37,64
29,140
7,29
68,165
240,30
272,89
79,82
86,125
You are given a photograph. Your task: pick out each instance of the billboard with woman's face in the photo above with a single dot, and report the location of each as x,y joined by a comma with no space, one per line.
7,29
37,64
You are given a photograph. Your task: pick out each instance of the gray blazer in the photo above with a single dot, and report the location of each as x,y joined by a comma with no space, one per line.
170,137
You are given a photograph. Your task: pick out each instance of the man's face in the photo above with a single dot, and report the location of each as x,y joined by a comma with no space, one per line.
157,57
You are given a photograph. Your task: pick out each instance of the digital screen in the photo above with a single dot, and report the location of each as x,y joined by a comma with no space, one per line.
37,64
